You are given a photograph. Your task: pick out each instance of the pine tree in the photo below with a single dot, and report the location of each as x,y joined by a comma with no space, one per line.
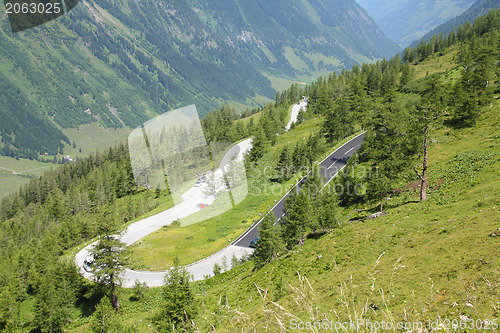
270,242
406,74
7,310
217,269
350,187
423,120
259,146
329,214
315,182
338,122
109,256
465,100
178,308
55,283
386,146
105,319
140,289
297,218
285,165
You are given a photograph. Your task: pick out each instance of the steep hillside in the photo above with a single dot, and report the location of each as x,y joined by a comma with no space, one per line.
120,63
405,21
478,9
302,38
421,263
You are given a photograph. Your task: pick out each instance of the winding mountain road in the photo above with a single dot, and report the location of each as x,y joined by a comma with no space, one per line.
192,198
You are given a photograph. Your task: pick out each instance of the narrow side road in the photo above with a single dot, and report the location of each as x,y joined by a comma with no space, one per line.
329,167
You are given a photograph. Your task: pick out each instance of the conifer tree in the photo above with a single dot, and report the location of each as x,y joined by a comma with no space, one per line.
105,319
406,74
387,147
109,256
423,120
285,165
349,188
315,182
297,218
466,92
259,146
270,243
178,308
329,214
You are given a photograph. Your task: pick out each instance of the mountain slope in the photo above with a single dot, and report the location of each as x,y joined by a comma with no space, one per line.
404,21
25,131
119,69
480,8
119,63
298,37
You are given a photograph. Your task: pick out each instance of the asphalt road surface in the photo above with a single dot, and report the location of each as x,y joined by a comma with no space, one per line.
329,167
302,105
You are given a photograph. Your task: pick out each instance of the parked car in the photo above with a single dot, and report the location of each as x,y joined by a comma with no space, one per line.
254,243
87,264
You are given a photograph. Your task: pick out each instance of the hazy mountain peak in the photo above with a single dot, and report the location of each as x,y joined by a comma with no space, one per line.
404,21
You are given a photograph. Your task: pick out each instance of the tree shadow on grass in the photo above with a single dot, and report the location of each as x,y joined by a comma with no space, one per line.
316,234
91,296
455,123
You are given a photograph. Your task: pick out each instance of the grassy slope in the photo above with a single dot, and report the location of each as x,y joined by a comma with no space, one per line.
92,137
11,182
427,259
418,261
281,84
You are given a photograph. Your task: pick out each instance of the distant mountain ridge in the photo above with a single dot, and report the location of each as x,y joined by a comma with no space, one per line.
478,9
404,21
120,63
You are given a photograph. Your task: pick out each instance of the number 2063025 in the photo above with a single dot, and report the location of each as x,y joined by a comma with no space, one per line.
33,8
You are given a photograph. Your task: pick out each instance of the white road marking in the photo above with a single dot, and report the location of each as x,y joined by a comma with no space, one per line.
342,146
328,182
347,152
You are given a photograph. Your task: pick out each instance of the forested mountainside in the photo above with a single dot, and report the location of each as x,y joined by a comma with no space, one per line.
404,21
24,130
298,37
442,97
120,62
478,9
